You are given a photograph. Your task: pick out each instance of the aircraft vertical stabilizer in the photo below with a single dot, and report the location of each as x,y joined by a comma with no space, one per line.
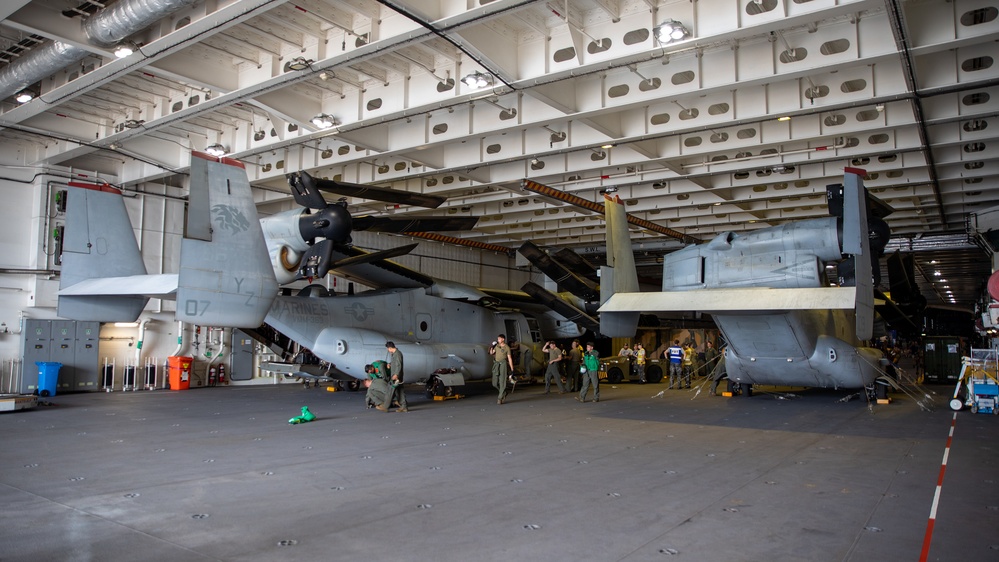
98,243
856,241
226,277
620,274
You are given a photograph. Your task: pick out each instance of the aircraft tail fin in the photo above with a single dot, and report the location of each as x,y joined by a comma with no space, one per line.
98,242
226,277
620,274
856,241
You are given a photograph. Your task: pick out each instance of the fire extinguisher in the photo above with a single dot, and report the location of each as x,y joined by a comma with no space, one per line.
211,376
222,374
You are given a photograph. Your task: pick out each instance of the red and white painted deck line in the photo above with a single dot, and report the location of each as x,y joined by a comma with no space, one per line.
936,495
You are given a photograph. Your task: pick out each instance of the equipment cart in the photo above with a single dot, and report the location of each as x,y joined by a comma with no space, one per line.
978,384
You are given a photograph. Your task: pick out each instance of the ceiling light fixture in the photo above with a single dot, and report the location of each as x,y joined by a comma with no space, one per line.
123,50
24,96
670,31
298,63
478,80
216,150
114,145
133,123
324,121
784,118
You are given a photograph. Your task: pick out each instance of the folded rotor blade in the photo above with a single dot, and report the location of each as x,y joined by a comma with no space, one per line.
376,256
400,225
566,279
570,312
378,193
576,264
303,189
316,260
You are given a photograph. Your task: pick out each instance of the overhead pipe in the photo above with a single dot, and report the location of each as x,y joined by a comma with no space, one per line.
104,29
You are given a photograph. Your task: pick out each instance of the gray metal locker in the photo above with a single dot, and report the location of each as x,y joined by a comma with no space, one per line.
63,350
86,362
36,340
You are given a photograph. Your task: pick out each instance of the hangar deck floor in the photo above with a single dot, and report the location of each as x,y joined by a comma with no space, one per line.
219,474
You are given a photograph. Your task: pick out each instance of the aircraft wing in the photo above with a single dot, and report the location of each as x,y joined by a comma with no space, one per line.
161,285
732,300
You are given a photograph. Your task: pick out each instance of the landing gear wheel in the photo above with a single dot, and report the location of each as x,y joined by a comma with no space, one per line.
747,389
354,385
871,391
882,390
436,387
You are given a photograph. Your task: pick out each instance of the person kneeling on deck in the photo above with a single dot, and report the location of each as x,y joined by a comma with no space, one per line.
377,383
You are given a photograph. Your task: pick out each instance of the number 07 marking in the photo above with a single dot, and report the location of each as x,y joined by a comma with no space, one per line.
195,308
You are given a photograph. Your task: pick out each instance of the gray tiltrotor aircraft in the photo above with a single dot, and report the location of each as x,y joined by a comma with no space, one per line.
769,295
229,278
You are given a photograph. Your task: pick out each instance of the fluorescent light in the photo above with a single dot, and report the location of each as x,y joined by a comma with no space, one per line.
298,63
670,31
126,324
784,118
477,80
324,121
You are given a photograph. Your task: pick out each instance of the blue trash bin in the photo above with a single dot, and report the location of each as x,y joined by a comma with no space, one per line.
48,377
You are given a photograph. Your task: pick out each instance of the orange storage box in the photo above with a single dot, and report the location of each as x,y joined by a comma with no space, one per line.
180,372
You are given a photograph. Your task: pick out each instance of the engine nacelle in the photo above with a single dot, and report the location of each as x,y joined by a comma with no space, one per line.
285,244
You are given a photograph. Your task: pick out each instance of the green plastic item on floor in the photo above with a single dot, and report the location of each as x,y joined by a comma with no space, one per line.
306,416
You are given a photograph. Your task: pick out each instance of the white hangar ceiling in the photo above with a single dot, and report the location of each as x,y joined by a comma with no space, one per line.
738,121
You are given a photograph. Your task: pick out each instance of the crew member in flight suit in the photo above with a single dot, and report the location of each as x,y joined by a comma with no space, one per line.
592,361
573,377
688,363
554,359
378,386
675,355
502,360
639,355
395,368
710,356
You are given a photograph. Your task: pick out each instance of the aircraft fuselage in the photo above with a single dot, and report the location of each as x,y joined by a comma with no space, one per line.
796,348
350,331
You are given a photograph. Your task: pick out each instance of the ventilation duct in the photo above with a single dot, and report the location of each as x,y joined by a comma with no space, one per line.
105,29
37,64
